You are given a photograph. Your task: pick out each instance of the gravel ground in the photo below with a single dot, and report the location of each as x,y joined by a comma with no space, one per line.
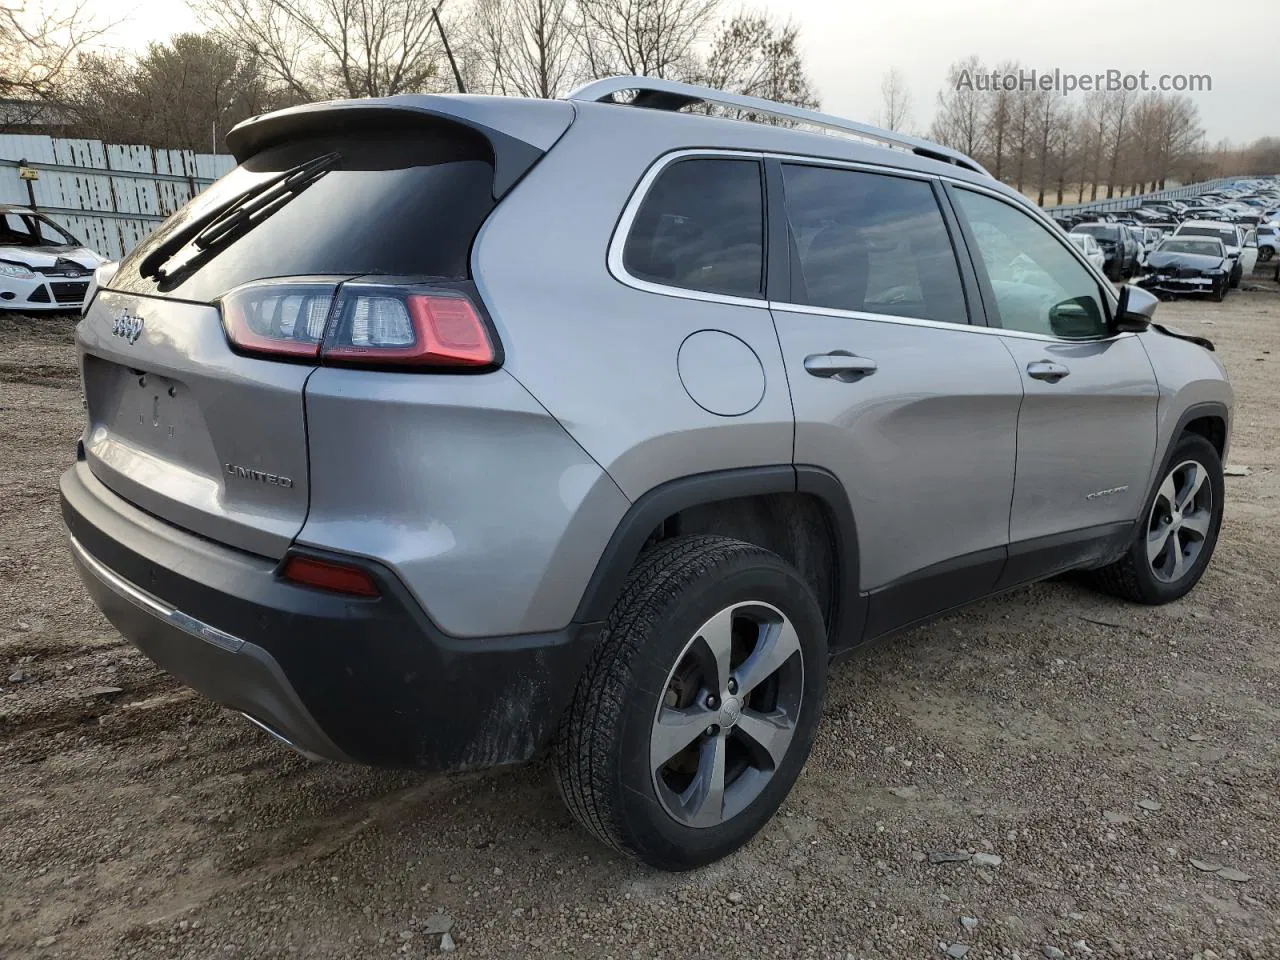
1061,770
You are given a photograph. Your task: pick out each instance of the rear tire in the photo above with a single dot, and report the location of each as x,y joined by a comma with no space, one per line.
1178,531
691,646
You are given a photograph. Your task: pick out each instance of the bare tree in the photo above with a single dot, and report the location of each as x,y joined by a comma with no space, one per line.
1094,121
753,55
1024,106
654,38
38,47
335,48
959,122
1118,113
522,47
1046,122
896,101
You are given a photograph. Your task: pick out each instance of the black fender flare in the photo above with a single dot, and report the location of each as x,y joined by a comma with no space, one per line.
666,499
1197,411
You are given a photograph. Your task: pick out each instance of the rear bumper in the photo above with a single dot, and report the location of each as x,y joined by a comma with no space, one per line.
370,681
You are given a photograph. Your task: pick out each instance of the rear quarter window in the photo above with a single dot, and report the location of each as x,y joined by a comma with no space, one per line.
701,227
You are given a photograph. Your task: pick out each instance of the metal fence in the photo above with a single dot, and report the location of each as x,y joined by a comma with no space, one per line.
1128,203
108,195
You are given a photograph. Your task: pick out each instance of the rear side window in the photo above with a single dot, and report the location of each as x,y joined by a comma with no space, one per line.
701,227
871,243
403,204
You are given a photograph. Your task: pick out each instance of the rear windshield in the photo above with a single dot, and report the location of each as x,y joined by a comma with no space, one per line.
1224,234
395,204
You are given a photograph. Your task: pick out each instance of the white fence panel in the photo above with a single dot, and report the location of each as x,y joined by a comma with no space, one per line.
111,196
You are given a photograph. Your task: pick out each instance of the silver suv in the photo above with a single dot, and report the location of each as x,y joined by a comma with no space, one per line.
446,430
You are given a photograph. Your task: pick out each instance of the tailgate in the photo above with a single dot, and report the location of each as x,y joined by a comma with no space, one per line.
189,431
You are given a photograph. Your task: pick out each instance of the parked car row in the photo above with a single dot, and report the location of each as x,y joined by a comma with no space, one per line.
1202,245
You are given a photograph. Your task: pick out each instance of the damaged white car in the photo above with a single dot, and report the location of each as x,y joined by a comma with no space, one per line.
42,267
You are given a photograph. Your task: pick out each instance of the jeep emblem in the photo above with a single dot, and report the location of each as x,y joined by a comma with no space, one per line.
127,327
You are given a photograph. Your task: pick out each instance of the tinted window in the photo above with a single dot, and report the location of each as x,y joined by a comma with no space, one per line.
871,243
395,204
701,227
1039,286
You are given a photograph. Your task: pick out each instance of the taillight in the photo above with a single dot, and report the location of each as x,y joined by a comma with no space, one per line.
278,319
326,575
386,326
359,325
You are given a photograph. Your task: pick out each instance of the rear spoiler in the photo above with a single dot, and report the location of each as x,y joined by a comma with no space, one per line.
520,131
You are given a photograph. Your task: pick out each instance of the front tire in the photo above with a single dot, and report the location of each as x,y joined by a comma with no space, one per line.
1219,291
699,706
1237,272
1178,532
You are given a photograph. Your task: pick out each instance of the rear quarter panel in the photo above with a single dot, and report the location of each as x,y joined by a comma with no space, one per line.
600,355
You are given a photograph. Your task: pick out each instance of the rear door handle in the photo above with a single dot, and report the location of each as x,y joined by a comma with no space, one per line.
1047,370
839,366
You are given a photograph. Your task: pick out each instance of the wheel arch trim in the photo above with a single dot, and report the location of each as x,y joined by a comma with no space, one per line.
667,499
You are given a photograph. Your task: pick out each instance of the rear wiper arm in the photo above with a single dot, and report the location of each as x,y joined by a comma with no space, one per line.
237,217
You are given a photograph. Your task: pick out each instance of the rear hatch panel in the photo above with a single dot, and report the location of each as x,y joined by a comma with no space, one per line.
187,430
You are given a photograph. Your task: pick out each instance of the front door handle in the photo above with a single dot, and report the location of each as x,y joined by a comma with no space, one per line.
1047,370
839,365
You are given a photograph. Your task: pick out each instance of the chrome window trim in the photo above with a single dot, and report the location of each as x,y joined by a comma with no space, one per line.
935,324
623,230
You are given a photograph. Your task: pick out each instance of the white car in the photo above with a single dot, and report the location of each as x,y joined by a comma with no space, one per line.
1268,240
1233,238
42,267
1089,247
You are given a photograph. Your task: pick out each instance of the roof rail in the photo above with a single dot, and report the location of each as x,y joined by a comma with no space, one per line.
659,94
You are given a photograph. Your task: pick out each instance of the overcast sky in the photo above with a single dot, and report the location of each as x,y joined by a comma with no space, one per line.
849,44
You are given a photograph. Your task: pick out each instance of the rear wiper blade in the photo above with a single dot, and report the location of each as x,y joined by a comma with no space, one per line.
238,216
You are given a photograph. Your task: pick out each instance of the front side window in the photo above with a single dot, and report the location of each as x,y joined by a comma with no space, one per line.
701,227
1039,286
871,243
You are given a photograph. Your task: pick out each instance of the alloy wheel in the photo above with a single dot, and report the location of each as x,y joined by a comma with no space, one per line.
1180,520
727,715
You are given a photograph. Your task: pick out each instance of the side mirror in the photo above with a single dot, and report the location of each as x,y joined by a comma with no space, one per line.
1135,311
1076,319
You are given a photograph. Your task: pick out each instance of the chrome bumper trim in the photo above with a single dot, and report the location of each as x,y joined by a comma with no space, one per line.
157,608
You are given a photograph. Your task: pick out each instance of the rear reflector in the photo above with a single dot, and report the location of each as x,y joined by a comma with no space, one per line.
325,575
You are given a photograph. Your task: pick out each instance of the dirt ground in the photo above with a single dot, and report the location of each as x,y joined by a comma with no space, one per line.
1107,755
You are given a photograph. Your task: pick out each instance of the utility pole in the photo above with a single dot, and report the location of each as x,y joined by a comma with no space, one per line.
457,76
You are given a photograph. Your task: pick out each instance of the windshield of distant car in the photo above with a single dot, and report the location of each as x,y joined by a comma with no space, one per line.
29,230
1225,234
1203,248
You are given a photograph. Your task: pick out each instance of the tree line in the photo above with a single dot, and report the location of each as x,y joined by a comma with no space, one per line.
256,55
